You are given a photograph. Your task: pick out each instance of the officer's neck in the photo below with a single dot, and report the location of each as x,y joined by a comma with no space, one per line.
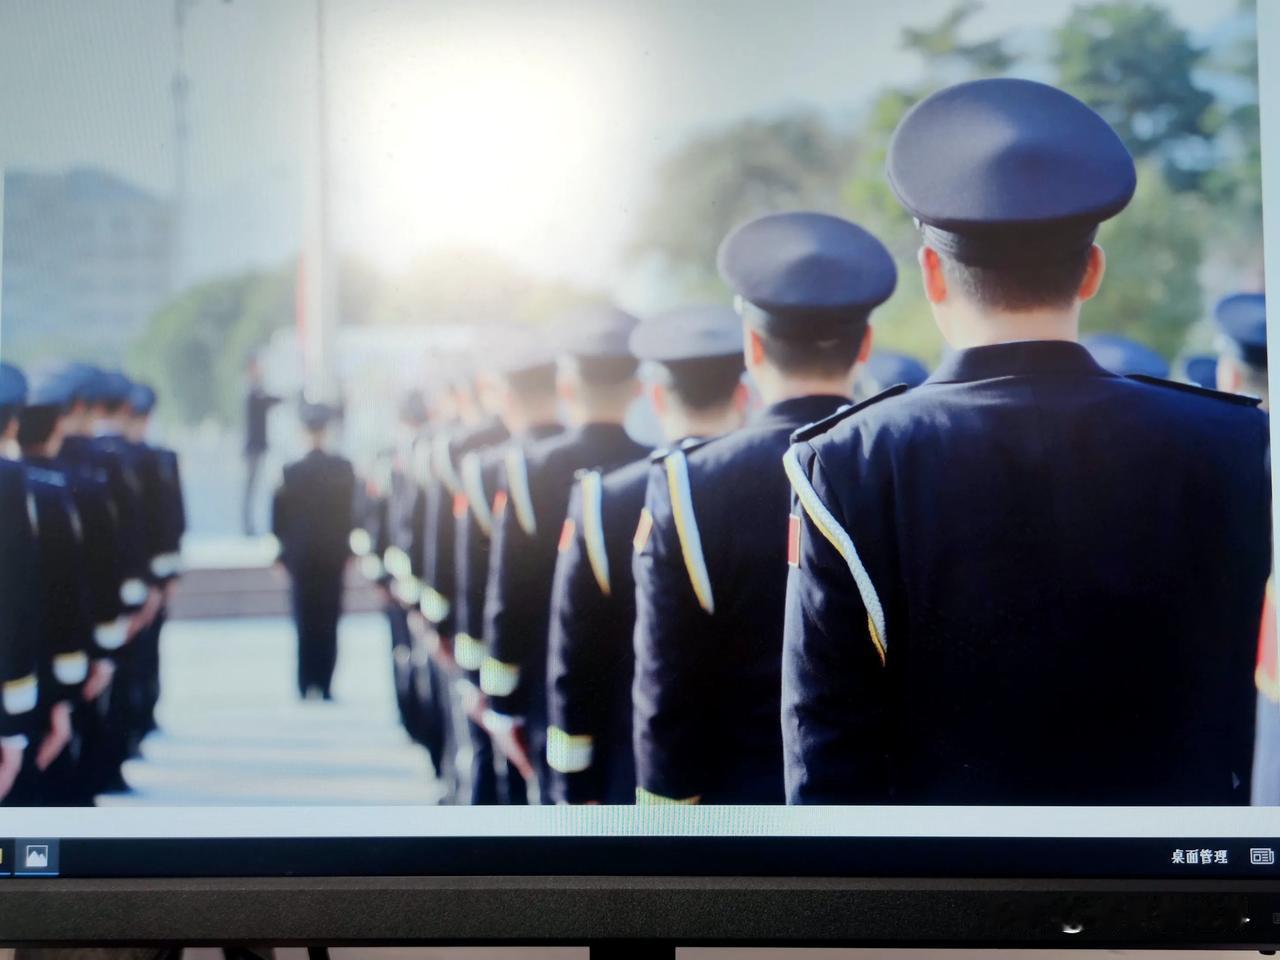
775,387
966,327
9,449
679,422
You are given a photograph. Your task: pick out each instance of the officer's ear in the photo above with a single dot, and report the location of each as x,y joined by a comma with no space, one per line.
1093,271
935,280
864,351
1230,379
741,398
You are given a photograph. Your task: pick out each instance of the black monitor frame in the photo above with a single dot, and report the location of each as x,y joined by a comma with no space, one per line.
641,916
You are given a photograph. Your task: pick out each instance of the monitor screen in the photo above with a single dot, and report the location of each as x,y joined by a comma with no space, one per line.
811,439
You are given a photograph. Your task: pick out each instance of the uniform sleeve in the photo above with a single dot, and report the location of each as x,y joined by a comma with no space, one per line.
508,614
833,673
280,521
674,661
20,627
469,589
576,664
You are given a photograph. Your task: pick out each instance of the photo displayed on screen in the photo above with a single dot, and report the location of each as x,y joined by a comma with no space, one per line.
495,404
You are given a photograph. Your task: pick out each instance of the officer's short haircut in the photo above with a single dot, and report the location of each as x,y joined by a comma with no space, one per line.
604,371
832,357
535,383
6,417
1051,283
35,424
114,405
702,384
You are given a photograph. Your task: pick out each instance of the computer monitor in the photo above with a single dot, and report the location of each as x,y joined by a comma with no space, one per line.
638,475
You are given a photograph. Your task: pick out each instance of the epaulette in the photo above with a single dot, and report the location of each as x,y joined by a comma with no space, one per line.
518,489
473,486
593,527
684,446
1235,398
676,466
819,427
49,477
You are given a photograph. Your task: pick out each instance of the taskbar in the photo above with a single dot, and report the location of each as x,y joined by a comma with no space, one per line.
1188,858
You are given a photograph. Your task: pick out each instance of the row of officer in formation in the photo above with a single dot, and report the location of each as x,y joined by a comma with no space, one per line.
91,522
1037,576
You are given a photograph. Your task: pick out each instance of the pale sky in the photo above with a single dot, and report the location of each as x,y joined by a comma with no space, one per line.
531,129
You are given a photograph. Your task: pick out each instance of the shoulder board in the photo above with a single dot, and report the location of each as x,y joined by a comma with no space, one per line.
819,427
442,464
687,445
677,471
593,527
518,489
48,477
1235,398
473,486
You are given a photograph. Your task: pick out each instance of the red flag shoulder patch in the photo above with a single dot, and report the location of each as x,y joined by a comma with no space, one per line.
459,506
793,540
499,504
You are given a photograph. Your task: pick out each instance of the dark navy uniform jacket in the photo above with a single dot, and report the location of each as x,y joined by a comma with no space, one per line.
165,520
312,514
446,502
66,621
118,460
480,471
1026,581
20,637
710,582
537,481
102,553
591,660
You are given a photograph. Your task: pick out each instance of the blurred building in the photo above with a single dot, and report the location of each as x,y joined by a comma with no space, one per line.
87,260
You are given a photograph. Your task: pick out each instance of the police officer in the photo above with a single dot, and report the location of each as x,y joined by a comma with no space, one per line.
20,625
596,382
97,446
1124,356
1202,370
312,519
51,775
710,571
888,368
1003,580
1241,367
523,385
693,361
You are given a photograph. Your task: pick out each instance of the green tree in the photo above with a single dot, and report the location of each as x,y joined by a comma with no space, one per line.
1136,66
723,178
194,349
1151,289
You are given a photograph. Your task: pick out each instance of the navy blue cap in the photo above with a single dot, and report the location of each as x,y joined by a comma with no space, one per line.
597,333
1124,356
13,386
1002,172
689,333
887,368
54,386
808,276
1242,318
107,386
316,416
142,399
1202,370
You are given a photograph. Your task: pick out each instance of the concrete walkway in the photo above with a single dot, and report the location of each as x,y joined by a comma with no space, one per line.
234,733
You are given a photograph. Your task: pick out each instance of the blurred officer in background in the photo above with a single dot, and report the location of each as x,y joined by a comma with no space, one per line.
710,572
1202,370
312,518
885,369
165,522
96,445
524,383
66,630
1003,580
596,383
1242,345
1125,357
257,406
693,365
20,592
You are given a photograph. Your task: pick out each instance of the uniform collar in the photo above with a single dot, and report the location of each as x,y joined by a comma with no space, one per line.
802,410
1061,358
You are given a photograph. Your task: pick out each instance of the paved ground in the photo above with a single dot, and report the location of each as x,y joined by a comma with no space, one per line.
234,732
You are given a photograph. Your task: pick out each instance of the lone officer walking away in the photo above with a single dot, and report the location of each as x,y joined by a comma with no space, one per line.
710,565
312,517
1028,580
